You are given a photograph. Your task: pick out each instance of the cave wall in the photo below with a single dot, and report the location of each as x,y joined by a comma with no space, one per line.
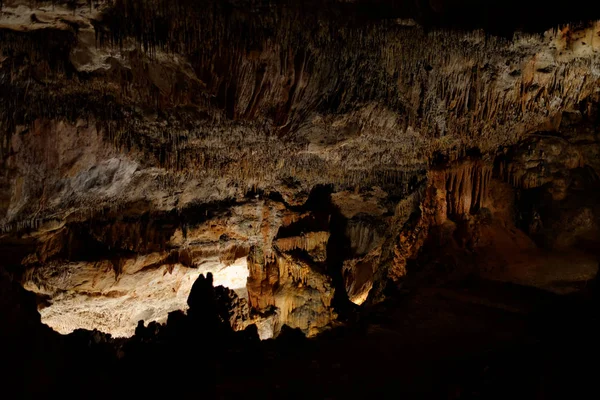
145,140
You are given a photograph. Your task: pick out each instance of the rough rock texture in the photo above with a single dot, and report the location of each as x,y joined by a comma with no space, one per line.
290,275
86,295
282,104
143,142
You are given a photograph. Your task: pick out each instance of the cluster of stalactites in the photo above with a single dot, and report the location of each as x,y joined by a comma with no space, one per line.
307,242
467,188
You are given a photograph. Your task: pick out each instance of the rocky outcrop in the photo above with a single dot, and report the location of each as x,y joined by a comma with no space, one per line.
557,185
294,287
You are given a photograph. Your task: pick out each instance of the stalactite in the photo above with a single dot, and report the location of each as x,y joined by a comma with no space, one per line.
466,187
308,241
465,99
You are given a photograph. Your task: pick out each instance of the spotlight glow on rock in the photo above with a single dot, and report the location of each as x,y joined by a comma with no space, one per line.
90,298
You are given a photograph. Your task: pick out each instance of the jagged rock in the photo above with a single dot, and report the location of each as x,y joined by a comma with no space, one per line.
359,274
235,309
370,203
539,161
300,292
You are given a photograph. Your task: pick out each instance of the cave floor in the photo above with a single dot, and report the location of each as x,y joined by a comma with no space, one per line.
481,339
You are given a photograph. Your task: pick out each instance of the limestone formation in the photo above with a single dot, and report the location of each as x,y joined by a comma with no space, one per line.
315,199
306,162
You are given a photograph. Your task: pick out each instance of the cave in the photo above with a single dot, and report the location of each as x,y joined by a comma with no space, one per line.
330,199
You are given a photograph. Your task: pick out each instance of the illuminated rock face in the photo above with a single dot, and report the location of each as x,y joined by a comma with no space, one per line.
300,293
134,158
90,296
